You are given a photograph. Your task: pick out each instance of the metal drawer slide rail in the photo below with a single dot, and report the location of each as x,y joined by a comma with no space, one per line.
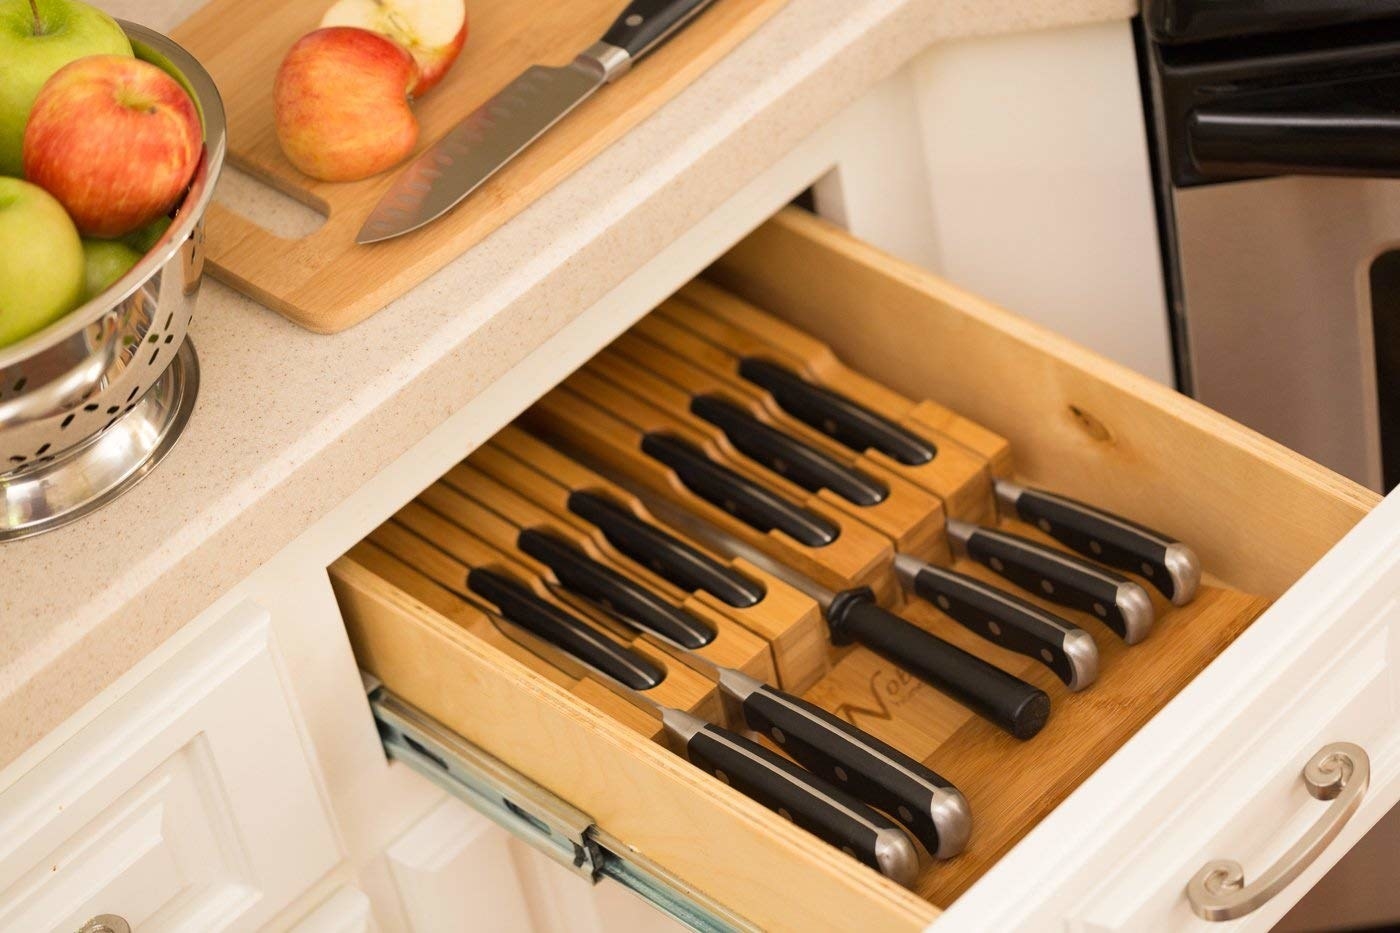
564,833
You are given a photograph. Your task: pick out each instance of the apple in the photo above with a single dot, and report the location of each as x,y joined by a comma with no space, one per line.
341,102
433,31
116,140
41,260
38,37
105,261
145,239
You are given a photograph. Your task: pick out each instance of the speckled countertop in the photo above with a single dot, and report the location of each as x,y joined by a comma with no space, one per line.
289,423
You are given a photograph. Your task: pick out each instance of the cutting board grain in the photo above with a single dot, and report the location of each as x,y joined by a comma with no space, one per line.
324,281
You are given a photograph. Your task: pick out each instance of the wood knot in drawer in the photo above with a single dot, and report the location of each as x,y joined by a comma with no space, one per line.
1091,425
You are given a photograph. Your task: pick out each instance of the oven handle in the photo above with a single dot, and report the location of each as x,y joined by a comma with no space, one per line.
1348,127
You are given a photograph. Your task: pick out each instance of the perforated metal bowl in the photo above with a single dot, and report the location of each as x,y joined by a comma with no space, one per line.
89,403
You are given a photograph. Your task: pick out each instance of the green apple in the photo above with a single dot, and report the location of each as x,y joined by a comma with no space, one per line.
105,261
38,37
144,239
41,260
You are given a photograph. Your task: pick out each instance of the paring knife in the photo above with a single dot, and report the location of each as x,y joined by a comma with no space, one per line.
928,806
497,131
1013,623
819,807
853,615
1168,564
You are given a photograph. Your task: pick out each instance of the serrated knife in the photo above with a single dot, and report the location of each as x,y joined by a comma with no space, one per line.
500,129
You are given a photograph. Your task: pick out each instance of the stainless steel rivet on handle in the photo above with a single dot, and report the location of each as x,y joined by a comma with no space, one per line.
106,923
1339,772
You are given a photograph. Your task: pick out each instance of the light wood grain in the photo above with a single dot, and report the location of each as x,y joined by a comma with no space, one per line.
789,621
324,281
1259,514
703,831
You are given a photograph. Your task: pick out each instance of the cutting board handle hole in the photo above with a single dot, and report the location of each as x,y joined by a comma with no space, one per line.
255,201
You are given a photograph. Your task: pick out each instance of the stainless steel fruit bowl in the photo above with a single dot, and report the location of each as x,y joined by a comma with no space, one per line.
89,403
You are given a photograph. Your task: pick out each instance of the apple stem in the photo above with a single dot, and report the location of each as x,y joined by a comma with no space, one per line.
38,23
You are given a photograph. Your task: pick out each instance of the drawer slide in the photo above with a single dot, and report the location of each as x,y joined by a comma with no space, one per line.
531,813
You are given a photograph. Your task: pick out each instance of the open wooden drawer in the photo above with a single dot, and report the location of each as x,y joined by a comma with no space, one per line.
1101,820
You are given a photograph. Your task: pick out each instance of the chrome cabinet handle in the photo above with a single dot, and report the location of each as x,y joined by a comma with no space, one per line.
1339,772
106,923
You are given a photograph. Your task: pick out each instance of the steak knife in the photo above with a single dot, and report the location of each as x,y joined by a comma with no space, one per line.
1169,565
811,802
500,129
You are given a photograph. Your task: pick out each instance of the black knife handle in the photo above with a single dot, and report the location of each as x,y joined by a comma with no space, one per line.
790,458
521,605
930,807
645,24
738,495
585,576
1122,604
1167,564
1006,701
687,567
834,414
822,809
1005,620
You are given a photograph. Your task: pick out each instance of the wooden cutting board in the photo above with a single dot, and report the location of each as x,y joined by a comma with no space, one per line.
324,281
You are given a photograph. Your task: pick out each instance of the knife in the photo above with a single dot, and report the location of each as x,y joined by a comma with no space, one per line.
928,806
500,129
811,802
853,615
1120,603
663,553
1171,566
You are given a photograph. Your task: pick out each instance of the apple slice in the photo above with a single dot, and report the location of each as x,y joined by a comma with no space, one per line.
433,31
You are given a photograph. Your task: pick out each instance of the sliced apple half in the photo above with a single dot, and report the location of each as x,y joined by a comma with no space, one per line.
433,31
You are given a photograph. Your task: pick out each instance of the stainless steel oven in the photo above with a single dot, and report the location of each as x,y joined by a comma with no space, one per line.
1276,134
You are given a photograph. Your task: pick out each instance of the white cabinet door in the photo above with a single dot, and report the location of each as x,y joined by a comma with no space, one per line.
189,804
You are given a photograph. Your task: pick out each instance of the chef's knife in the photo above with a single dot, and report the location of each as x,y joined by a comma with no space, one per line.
928,806
809,801
1171,566
663,553
497,131
1123,605
853,615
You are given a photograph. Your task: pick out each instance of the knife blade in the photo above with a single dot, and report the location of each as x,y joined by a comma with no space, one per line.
929,806
811,802
853,615
523,111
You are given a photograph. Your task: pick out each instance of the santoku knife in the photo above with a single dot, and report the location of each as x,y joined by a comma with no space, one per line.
819,807
499,130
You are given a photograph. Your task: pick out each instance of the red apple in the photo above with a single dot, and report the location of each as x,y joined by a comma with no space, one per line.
342,103
433,31
115,140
